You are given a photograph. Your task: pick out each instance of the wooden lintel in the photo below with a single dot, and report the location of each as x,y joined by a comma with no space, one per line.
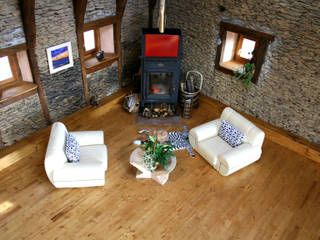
28,19
100,23
245,31
13,49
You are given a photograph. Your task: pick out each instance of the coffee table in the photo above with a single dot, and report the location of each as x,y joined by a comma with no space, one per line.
160,176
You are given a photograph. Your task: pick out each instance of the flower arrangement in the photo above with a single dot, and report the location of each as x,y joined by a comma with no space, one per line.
156,154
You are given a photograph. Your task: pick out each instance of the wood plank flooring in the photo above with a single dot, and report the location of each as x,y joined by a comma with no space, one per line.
278,197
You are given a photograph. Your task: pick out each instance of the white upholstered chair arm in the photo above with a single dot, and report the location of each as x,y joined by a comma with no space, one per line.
235,156
206,130
89,137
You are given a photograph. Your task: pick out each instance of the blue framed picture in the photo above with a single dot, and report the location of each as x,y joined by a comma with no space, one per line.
60,57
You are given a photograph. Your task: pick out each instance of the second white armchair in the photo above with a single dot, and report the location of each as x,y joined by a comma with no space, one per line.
223,157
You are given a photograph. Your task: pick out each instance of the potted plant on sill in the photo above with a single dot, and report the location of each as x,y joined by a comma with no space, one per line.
245,75
156,154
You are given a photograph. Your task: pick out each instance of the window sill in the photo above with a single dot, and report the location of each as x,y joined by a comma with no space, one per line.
232,65
92,64
16,91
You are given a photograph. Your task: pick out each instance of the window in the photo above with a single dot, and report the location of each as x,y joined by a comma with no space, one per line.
98,37
91,43
16,80
8,70
240,45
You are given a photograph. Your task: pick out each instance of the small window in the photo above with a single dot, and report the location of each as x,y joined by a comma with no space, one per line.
240,45
89,40
7,70
246,48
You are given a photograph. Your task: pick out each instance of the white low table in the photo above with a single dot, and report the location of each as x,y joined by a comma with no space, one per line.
143,172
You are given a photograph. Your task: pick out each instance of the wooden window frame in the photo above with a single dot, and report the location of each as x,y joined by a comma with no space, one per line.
16,74
262,42
239,45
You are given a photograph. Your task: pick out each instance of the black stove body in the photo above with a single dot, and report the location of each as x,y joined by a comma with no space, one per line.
160,60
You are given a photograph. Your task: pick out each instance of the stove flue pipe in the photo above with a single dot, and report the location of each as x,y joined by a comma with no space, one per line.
162,9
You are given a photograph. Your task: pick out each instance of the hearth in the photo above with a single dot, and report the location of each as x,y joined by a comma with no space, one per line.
160,61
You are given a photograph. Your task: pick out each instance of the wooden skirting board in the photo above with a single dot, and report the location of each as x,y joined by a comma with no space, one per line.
25,147
275,134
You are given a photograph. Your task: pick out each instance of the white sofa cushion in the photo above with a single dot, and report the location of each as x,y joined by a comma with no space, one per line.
89,137
239,156
211,148
94,153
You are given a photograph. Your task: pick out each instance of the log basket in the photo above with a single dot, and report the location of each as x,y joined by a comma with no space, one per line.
194,81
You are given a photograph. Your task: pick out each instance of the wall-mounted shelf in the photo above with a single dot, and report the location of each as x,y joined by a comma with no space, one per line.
16,91
92,64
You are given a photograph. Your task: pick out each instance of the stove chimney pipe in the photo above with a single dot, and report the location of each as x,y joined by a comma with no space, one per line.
162,9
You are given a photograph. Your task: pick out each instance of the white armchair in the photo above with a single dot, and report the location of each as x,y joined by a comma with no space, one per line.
224,158
89,171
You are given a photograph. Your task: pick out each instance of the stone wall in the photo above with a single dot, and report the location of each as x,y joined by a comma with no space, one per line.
11,29
135,18
55,24
97,9
288,91
105,81
24,117
20,119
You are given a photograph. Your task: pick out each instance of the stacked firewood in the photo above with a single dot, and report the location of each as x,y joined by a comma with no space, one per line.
158,110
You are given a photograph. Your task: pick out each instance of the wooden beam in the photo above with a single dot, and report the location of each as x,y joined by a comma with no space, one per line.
28,18
80,7
246,31
152,4
121,5
100,23
12,50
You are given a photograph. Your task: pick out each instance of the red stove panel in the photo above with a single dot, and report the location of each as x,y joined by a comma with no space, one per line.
157,45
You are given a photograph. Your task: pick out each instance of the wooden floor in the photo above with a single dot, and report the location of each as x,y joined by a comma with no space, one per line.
278,197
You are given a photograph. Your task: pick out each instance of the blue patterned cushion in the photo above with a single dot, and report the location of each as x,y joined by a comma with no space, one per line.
230,134
72,149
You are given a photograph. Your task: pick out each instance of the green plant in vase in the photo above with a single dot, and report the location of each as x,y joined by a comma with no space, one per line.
156,154
245,76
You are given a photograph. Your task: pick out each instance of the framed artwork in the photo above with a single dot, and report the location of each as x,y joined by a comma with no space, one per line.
60,57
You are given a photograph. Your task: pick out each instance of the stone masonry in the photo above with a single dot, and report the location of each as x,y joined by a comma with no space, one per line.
55,24
105,82
11,29
24,117
21,119
287,94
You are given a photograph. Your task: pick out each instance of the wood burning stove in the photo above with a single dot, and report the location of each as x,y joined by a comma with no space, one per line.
160,60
